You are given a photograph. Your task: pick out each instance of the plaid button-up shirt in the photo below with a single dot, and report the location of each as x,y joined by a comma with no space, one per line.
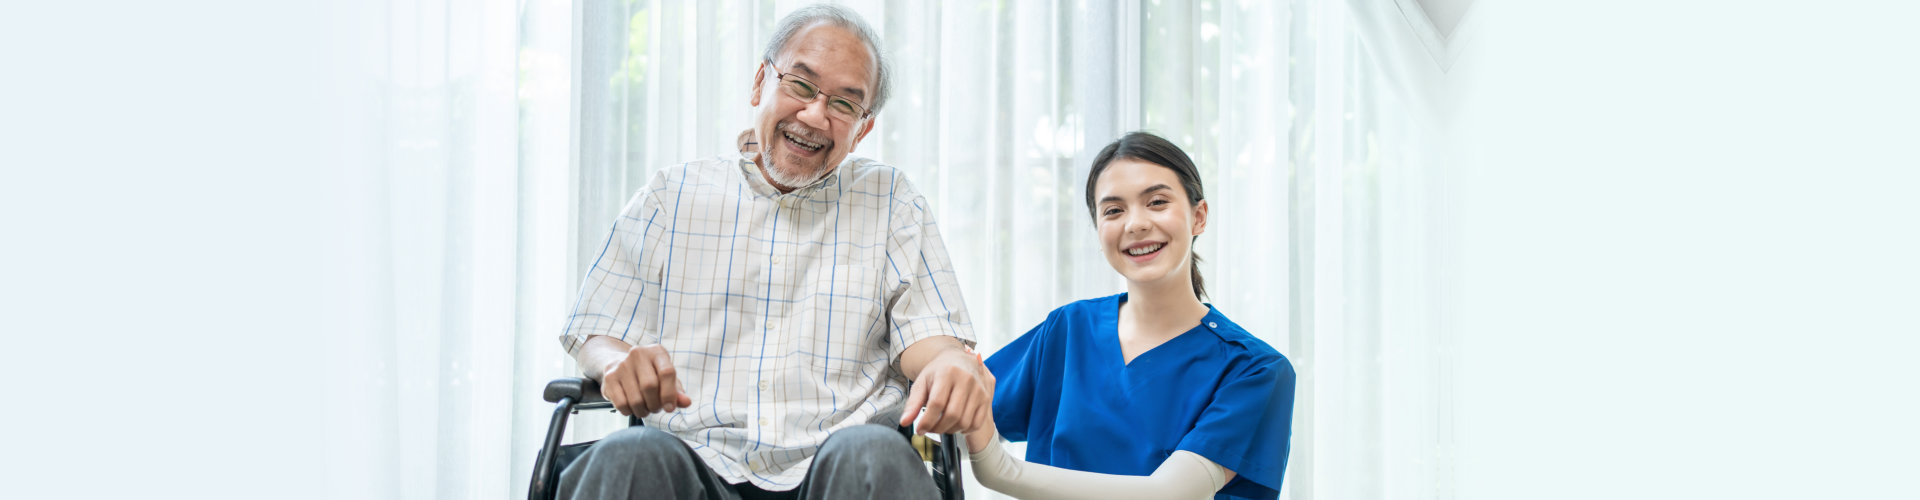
785,314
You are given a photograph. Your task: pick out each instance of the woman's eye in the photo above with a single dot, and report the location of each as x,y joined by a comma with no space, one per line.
1110,211
1156,203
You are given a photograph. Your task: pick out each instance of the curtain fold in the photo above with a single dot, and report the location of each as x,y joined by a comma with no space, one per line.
458,242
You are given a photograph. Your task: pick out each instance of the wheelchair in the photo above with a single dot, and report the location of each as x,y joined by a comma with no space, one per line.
572,395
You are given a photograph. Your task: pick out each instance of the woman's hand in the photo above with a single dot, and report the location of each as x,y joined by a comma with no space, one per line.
978,440
983,435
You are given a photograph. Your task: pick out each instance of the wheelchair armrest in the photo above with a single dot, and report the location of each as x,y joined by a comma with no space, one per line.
583,390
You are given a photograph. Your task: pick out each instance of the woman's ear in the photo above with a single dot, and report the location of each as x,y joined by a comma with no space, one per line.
1200,218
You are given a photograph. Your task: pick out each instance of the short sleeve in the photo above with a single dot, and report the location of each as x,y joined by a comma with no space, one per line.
926,300
1248,426
1016,370
619,296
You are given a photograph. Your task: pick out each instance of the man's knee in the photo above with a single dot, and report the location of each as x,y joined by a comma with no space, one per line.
637,450
868,461
636,462
870,444
638,440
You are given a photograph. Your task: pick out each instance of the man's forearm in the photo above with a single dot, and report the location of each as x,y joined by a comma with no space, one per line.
916,357
600,351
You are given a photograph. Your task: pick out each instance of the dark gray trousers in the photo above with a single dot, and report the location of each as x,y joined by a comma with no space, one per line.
866,461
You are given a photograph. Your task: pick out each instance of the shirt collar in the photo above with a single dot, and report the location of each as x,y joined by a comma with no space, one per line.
817,191
1213,321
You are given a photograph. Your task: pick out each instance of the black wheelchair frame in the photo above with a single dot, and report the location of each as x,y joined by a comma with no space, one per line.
572,395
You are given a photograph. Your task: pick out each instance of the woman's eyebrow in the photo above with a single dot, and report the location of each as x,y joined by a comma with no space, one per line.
1143,192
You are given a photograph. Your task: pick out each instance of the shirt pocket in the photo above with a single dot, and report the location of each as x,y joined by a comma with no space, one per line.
846,305
849,324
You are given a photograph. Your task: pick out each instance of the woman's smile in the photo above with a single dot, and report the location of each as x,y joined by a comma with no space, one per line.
1142,252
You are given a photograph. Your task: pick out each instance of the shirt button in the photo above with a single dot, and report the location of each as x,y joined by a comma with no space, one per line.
763,421
776,261
1211,324
763,385
770,325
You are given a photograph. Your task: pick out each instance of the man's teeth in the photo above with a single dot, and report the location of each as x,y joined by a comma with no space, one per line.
1145,250
801,142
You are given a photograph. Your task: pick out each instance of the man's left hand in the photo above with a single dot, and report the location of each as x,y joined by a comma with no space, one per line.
956,391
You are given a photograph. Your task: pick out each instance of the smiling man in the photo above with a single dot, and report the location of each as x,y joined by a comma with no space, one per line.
760,309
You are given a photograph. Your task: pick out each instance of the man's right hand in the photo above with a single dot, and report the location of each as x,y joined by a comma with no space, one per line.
643,382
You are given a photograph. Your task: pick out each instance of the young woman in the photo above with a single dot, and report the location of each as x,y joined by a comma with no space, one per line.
1146,394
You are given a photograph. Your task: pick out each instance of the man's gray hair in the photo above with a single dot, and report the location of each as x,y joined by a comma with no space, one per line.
844,18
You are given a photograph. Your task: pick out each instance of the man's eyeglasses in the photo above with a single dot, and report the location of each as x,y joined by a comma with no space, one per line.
847,110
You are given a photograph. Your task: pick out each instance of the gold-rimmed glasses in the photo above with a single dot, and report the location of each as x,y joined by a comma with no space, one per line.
847,110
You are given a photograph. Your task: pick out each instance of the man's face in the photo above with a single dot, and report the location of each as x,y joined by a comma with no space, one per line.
803,141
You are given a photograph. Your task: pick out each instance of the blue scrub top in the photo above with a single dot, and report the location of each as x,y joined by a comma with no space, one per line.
1215,390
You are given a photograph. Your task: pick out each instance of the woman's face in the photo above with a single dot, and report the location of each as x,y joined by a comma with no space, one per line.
1145,222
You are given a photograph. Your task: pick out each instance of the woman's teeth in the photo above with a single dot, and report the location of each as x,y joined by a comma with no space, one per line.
1145,250
803,143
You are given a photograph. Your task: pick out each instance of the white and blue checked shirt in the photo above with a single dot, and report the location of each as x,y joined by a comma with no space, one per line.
785,314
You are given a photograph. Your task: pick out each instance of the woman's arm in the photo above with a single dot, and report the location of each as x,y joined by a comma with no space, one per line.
1183,475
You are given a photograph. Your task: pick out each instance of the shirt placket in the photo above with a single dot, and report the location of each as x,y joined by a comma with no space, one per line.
783,275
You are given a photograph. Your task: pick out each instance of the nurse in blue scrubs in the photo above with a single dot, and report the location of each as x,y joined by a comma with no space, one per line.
1146,394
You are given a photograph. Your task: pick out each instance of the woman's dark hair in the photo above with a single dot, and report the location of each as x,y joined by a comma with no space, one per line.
1151,148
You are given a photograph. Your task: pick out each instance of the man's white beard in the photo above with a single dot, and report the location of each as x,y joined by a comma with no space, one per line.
786,179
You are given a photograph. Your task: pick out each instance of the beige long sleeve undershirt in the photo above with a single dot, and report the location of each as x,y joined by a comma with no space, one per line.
1183,475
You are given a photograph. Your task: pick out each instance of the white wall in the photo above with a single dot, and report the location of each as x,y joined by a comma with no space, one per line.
1680,250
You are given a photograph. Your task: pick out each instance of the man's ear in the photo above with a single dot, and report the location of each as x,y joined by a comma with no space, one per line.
1200,218
863,131
759,79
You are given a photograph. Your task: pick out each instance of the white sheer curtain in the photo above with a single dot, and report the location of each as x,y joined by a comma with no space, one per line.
501,138
1310,121
458,242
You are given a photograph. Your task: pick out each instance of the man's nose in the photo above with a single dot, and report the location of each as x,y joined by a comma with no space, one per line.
814,113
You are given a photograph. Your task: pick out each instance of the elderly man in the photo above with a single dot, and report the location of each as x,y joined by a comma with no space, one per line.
759,309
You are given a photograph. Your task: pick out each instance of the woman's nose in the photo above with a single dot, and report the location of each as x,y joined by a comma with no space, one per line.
1135,222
